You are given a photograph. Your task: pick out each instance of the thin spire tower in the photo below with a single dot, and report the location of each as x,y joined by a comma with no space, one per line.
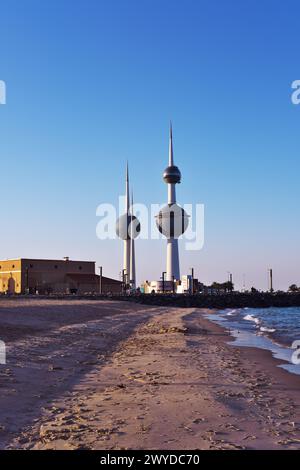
128,228
126,258
171,159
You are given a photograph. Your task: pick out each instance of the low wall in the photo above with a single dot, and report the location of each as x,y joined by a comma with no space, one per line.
220,301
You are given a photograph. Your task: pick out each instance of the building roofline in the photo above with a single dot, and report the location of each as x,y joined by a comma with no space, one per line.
46,259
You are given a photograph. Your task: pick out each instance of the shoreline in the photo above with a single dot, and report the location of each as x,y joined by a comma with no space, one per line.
119,375
265,341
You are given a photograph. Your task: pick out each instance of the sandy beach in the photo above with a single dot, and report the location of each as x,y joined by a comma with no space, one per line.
85,374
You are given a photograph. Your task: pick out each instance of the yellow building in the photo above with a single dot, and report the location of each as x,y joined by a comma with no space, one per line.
19,276
10,276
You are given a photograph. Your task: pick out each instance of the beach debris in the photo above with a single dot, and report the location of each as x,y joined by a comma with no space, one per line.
53,368
198,420
172,329
250,437
289,441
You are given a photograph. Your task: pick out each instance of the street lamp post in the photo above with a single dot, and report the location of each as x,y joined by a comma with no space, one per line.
230,279
271,280
27,280
192,286
124,280
100,280
163,281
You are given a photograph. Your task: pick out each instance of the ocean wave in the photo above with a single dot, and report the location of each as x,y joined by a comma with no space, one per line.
252,318
267,330
229,314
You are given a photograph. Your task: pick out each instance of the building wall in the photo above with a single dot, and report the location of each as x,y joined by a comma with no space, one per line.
111,287
49,275
57,276
10,276
158,287
18,274
90,284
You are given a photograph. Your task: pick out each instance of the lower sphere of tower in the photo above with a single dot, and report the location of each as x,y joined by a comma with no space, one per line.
123,227
172,221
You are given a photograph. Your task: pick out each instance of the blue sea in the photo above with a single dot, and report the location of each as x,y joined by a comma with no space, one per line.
275,329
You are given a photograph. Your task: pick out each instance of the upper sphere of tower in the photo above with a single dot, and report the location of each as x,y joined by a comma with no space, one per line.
172,175
123,227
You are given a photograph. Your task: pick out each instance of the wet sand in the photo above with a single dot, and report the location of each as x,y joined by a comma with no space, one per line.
118,375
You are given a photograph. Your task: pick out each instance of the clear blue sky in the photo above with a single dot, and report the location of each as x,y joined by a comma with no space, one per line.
92,83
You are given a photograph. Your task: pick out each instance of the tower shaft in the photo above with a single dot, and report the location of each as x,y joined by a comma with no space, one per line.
173,272
132,250
171,194
132,266
126,261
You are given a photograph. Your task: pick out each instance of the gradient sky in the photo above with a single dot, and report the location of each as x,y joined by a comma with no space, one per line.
93,83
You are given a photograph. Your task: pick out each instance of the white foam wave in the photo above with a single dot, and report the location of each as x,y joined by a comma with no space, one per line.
229,314
267,330
252,318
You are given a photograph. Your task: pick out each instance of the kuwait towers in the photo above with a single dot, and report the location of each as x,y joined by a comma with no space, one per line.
172,220
128,228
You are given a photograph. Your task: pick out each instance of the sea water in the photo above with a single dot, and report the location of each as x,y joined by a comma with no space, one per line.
275,329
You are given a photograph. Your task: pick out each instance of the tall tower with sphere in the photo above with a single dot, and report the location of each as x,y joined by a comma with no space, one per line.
172,220
128,228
